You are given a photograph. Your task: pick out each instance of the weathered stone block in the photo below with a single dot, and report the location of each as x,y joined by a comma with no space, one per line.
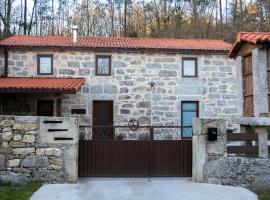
153,66
13,178
7,136
14,163
45,175
120,72
19,63
56,161
124,111
84,72
88,64
73,64
2,161
123,90
22,151
49,151
110,89
35,162
96,89
24,126
166,73
29,138
17,137
143,104
118,64
7,129
66,72
40,152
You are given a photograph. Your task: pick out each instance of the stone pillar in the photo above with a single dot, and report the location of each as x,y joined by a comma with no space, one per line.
198,151
262,142
260,83
202,148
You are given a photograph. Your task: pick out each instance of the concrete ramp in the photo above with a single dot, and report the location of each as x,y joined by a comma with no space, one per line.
141,189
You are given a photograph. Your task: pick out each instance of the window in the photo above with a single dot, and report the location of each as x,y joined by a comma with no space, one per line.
103,65
189,110
45,64
189,67
45,108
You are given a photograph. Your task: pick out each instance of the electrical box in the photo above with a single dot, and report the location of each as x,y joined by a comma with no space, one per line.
212,134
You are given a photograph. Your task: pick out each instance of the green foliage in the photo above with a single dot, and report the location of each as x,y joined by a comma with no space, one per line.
253,128
268,129
264,196
133,34
19,193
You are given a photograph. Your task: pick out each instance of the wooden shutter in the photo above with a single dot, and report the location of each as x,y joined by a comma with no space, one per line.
248,86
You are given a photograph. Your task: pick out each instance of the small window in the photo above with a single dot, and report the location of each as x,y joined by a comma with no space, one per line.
78,111
45,64
189,67
189,110
103,65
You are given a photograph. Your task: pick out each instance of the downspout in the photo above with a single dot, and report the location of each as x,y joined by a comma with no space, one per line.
6,64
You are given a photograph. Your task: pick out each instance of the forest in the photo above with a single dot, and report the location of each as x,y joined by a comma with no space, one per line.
220,19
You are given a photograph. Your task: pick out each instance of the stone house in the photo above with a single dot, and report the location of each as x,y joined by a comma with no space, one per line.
151,81
254,51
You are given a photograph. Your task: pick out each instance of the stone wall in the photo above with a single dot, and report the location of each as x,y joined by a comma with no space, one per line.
212,164
23,157
218,87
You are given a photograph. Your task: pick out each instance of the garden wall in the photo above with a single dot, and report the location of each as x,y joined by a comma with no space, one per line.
31,150
212,164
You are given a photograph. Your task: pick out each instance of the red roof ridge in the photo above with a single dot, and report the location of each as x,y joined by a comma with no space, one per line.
118,37
116,42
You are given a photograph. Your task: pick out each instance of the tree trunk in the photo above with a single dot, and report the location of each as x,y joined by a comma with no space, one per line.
25,18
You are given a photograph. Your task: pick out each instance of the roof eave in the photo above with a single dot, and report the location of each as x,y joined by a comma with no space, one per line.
118,49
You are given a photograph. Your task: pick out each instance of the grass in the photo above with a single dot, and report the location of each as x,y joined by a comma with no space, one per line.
19,193
264,196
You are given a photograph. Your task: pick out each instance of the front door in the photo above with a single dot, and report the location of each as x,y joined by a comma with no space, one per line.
102,118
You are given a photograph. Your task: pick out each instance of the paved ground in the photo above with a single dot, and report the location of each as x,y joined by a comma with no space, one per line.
141,189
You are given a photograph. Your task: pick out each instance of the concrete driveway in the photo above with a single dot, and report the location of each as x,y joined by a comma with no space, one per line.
140,189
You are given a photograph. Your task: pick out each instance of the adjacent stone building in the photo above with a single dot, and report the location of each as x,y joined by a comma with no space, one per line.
148,80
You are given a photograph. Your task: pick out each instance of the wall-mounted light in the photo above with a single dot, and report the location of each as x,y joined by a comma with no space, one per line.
152,84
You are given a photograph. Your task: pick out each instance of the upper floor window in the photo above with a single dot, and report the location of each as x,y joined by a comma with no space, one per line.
45,64
103,65
189,67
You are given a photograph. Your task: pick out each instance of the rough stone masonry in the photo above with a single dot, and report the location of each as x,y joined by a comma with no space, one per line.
23,157
212,164
217,87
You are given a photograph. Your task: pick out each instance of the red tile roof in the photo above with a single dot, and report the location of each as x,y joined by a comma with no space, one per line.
249,37
115,43
29,84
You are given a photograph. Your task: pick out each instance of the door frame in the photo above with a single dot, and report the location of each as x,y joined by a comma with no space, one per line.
112,113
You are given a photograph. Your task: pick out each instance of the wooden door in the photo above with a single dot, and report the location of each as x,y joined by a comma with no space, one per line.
102,118
45,108
248,86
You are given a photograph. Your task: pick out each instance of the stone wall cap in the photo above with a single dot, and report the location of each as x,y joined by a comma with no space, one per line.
258,121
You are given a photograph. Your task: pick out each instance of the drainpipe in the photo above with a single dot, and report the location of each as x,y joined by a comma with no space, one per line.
6,64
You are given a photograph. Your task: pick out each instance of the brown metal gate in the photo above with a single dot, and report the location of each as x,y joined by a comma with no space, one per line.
148,157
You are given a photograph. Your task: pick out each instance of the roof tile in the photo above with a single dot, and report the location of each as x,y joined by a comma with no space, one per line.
29,84
250,37
115,42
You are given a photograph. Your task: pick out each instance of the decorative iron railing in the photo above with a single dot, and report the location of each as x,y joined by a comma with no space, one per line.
135,132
